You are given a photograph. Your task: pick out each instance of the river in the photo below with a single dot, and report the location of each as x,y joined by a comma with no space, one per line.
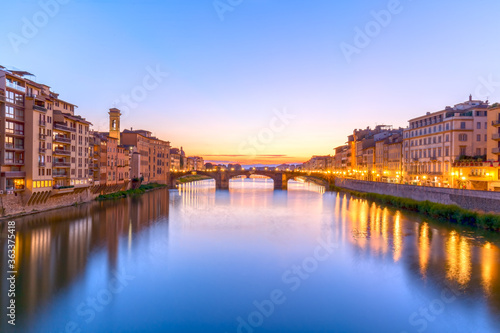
250,259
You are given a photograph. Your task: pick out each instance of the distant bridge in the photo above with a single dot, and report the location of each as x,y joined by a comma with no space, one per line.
280,178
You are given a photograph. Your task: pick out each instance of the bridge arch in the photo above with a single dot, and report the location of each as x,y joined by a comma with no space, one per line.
280,178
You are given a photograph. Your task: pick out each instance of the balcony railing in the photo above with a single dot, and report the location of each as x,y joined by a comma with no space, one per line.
14,162
39,108
496,150
15,132
16,86
495,122
13,174
60,138
62,152
41,164
59,174
64,128
41,150
12,147
496,136
42,123
41,136
59,164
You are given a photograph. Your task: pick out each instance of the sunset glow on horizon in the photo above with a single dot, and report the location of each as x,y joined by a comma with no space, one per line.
218,83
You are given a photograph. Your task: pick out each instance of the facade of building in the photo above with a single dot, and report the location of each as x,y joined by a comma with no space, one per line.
46,144
195,163
177,159
433,142
319,163
154,155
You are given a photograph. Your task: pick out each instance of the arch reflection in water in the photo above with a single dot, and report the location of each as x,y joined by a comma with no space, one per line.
300,185
255,182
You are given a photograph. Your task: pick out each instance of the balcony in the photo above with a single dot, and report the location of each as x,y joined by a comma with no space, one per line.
10,146
64,128
495,122
62,152
60,174
63,139
41,150
15,86
39,108
496,151
13,174
496,137
14,162
61,164
14,132
41,164
42,136
42,123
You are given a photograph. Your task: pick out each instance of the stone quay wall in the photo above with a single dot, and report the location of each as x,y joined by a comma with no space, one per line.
468,199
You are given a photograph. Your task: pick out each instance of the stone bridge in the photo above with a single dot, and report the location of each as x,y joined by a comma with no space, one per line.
280,178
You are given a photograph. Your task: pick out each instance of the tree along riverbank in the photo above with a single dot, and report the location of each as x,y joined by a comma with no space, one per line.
450,213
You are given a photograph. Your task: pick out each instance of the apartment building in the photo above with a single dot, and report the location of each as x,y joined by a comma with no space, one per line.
71,153
195,163
482,174
177,159
434,141
39,155
493,145
342,158
154,155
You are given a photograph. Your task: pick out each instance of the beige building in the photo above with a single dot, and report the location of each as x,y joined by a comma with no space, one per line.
195,163
154,155
46,145
493,145
177,159
434,141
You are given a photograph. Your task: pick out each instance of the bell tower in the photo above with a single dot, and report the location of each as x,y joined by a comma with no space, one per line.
114,124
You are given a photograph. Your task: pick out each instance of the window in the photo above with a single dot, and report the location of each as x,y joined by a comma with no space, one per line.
478,126
9,157
478,151
439,139
9,112
463,150
462,137
462,125
447,138
478,138
448,126
447,151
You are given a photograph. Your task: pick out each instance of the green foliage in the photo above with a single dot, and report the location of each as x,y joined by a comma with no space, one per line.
191,178
450,213
123,194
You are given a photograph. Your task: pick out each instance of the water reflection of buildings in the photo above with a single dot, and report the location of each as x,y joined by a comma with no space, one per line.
54,247
437,252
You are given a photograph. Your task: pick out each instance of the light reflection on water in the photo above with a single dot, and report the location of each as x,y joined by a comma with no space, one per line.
201,257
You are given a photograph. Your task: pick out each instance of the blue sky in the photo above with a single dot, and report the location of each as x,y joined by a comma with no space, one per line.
227,79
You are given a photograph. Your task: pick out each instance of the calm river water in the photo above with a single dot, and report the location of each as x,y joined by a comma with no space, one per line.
249,260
